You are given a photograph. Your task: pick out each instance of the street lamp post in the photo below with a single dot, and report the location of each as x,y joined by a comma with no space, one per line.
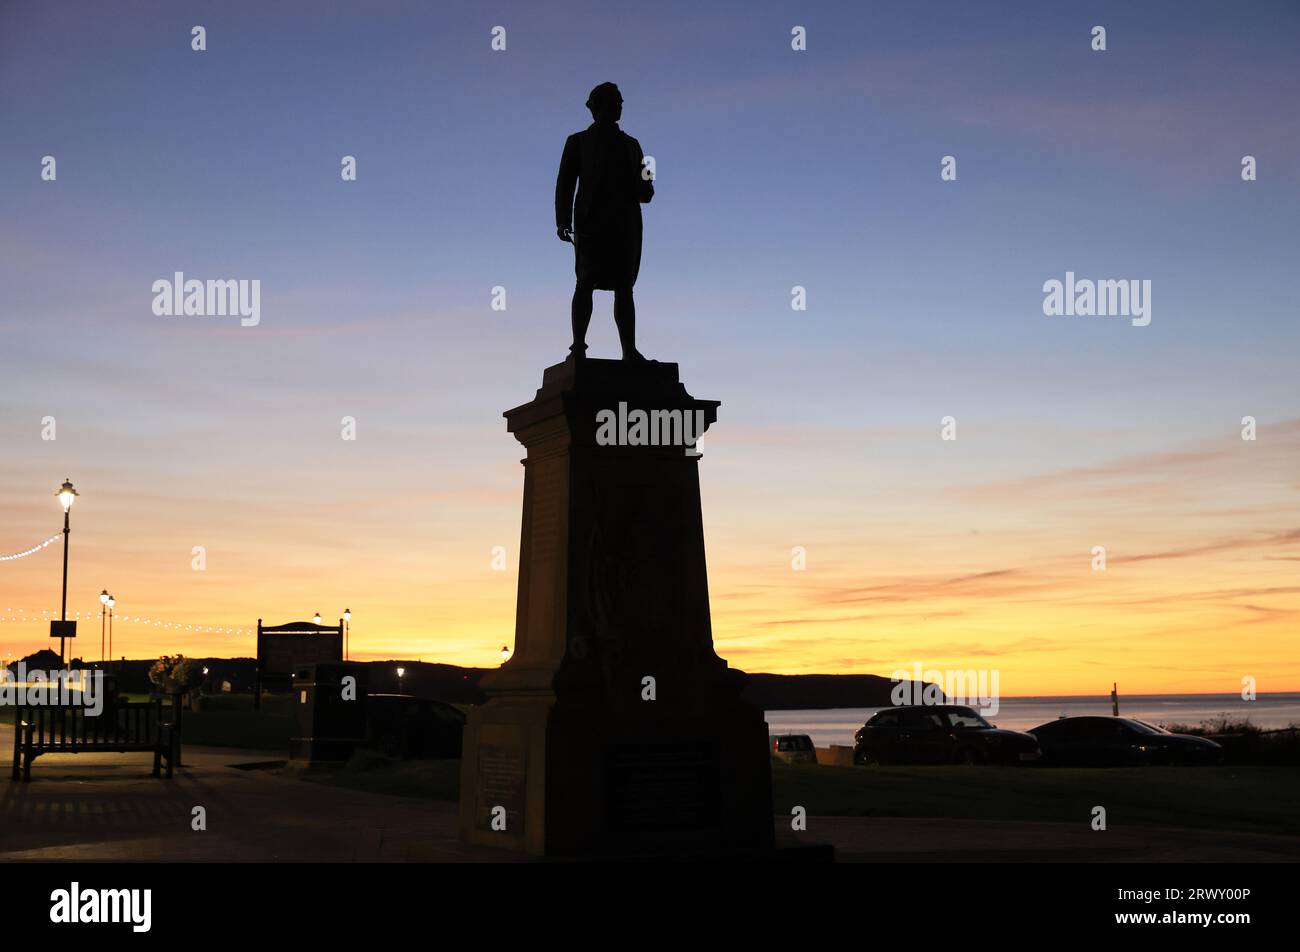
111,602
66,494
347,618
103,621
400,673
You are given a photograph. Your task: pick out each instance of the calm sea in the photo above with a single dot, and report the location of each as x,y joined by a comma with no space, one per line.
836,726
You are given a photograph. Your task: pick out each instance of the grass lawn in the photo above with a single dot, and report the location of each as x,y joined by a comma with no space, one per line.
374,773
1252,799
228,720
238,729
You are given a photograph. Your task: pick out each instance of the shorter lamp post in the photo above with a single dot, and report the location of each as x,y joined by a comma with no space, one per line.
103,621
347,619
111,602
400,673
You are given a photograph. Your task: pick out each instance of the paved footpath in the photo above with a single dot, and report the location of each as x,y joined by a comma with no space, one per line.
106,807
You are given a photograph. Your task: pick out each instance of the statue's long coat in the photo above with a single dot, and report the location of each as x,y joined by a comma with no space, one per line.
605,163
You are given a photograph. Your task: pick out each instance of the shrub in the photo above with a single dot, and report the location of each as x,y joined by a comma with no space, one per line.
176,675
1245,743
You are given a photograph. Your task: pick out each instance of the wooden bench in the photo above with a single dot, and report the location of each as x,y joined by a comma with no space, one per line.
121,727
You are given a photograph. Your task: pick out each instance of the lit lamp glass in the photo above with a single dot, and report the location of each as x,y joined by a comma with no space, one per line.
67,494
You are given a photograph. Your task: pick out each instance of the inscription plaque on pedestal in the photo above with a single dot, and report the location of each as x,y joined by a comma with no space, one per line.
501,784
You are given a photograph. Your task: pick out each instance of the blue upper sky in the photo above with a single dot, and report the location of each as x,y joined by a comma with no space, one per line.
776,168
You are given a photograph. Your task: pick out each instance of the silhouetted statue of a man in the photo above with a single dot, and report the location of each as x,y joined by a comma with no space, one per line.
605,163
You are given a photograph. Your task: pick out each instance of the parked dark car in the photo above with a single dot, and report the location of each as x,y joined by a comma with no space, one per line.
1120,742
403,726
793,748
939,734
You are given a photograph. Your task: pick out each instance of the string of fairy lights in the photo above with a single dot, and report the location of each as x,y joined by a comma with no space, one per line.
32,551
20,615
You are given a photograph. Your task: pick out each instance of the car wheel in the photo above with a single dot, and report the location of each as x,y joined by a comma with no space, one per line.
970,756
865,758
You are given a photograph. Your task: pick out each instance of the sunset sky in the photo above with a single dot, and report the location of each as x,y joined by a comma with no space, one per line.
775,168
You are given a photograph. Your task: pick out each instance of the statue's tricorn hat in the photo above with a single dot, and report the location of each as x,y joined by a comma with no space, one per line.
605,92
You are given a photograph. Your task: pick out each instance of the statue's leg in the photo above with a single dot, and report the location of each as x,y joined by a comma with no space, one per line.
625,319
581,313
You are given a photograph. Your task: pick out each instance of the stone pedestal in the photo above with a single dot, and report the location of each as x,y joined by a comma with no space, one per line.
613,591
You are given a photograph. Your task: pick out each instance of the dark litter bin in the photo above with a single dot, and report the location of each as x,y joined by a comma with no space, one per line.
331,711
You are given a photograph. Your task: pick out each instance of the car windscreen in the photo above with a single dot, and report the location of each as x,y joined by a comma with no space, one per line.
1142,727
